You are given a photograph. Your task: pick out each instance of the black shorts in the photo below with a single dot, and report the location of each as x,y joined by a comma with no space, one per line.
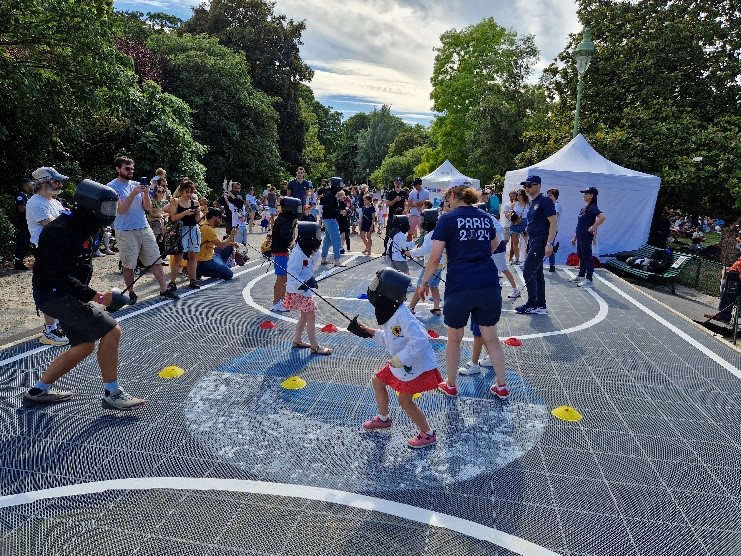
82,322
483,305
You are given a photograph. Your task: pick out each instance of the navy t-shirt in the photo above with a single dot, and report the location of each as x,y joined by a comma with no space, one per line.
297,190
367,220
537,215
467,233
586,219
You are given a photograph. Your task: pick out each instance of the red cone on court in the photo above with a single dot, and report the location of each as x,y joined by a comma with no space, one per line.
329,328
433,334
267,325
513,342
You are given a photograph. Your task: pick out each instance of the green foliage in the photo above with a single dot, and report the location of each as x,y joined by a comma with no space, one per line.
480,92
402,165
373,142
270,43
346,157
662,93
323,131
237,122
409,138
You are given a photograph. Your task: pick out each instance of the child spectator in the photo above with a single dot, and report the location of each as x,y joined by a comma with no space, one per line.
265,222
429,219
398,243
266,246
412,367
367,224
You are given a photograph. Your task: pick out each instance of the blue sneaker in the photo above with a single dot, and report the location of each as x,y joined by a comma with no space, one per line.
525,309
541,310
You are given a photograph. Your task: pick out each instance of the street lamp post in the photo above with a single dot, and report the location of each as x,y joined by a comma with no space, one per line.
583,55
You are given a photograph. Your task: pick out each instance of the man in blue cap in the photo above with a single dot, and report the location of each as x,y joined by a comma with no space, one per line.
541,230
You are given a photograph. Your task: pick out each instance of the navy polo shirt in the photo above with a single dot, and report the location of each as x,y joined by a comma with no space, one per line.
586,219
537,216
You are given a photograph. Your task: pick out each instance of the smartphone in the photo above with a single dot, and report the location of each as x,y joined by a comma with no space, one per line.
144,180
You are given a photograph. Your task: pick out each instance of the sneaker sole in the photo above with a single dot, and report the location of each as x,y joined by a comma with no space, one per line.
48,342
106,405
30,401
470,373
421,447
447,393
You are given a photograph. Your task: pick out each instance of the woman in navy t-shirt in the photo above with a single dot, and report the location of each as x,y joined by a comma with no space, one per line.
590,218
468,236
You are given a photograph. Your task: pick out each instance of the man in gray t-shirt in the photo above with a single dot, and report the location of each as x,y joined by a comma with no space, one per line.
134,237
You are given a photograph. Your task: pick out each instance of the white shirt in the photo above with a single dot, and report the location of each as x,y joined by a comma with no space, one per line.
406,337
38,209
414,195
300,268
398,244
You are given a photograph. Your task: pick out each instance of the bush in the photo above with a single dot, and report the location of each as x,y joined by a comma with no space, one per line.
7,230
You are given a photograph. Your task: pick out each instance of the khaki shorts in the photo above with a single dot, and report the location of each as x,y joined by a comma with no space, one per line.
137,244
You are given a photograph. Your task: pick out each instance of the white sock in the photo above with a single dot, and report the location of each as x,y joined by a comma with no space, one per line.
383,418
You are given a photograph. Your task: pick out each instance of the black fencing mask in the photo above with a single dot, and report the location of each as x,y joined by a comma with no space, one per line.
387,292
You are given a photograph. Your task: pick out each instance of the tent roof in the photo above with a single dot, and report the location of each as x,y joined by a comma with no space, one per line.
579,156
446,172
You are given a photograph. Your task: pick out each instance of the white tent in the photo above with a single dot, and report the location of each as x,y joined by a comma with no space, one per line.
438,181
627,197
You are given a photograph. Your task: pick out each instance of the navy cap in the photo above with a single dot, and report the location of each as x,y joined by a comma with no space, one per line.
592,190
531,179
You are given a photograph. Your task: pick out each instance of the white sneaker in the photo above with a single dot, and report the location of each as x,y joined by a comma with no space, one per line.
485,361
120,399
471,368
576,278
584,284
109,252
53,338
279,307
514,294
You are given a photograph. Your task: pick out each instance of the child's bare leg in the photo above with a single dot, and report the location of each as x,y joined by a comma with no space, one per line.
382,396
300,325
496,353
414,300
415,413
310,327
478,344
435,297
508,274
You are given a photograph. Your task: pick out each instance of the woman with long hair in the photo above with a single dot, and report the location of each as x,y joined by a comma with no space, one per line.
590,218
518,224
184,207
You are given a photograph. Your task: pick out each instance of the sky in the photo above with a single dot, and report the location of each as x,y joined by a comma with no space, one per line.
381,51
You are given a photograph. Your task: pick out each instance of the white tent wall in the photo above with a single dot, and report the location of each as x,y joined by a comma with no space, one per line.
438,181
627,198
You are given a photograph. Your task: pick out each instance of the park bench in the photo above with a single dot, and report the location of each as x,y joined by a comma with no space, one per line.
666,278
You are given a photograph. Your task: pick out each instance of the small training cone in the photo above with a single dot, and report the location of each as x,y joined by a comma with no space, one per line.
267,325
414,396
171,372
512,342
328,328
566,413
433,334
293,383
363,296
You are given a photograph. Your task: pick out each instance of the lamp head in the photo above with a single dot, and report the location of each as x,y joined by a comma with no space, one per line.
584,52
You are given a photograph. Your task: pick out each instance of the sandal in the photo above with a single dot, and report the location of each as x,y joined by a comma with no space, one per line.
321,350
300,345
436,312
324,261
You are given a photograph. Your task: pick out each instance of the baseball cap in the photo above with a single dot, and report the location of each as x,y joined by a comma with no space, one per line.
416,181
531,179
592,190
47,173
398,179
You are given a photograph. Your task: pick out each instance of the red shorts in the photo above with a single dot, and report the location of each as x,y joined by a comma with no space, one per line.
298,302
423,383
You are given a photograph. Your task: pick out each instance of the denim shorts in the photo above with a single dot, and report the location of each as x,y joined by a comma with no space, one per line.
483,305
434,281
191,239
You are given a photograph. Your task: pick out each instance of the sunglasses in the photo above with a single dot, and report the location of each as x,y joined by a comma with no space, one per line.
528,185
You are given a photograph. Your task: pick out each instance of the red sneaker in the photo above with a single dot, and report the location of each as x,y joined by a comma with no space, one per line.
500,391
422,440
448,390
377,423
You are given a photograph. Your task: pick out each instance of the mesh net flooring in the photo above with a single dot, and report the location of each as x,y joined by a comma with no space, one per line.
653,467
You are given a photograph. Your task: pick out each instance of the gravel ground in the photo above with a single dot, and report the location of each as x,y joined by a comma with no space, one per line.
18,319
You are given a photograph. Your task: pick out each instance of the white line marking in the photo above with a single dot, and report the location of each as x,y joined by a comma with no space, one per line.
686,337
599,317
138,312
368,503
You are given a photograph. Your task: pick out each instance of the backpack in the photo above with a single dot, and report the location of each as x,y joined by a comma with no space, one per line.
572,260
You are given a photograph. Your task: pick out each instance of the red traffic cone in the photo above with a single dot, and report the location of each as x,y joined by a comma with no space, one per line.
433,334
329,328
267,325
513,342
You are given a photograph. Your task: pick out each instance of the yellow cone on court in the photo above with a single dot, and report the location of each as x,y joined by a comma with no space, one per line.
293,383
414,396
566,413
171,372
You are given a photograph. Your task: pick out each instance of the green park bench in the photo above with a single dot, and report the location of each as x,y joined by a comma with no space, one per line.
666,278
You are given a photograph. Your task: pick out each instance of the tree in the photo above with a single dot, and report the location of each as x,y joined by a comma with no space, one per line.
323,128
401,165
480,92
409,138
270,43
373,142
346,157
235,121
663,92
